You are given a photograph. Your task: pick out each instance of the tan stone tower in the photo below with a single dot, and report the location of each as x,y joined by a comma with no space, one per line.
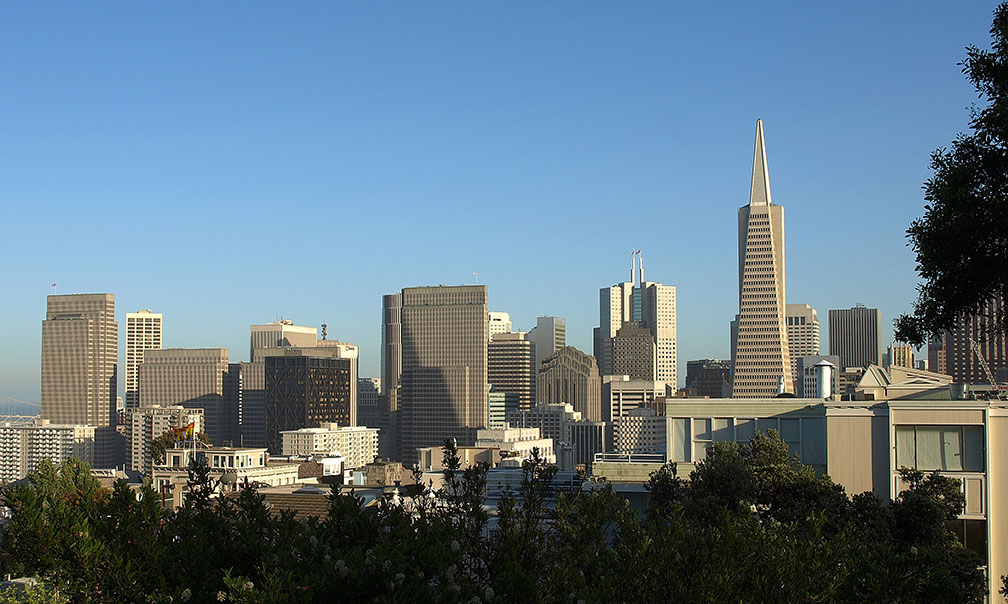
762,358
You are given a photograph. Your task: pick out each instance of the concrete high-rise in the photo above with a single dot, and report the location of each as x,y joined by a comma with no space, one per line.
143,332
646,304
549,335
762,359
802,335
855,336
279,334
498,322
571,376
443,343
509,367
304,389
195,378
80,341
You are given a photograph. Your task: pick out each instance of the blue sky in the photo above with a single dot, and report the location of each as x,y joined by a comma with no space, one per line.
226,164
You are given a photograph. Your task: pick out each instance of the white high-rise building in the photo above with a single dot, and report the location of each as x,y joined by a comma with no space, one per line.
279,334
145,424
802,335
24,444
358,445
762,357
143,332
498,322
651,306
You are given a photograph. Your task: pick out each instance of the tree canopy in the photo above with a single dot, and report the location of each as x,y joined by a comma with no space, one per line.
750,524
961,242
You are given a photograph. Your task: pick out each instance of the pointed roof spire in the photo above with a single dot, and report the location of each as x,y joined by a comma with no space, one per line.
759,194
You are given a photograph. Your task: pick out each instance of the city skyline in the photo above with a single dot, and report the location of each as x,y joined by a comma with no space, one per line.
214,173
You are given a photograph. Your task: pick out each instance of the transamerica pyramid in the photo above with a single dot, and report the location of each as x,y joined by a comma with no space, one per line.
762,359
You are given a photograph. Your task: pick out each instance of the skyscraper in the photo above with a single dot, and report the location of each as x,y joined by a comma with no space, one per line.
762,358
549,335
304,389
647,304
80,340
498,322
802,335
509,367
279,334
855,336
571,376
443,343
143,332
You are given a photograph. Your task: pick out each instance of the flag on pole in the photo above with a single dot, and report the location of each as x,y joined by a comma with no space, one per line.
185,432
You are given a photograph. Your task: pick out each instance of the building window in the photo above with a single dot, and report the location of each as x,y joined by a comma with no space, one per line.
947,448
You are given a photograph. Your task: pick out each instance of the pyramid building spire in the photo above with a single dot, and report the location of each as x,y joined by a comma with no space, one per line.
759,193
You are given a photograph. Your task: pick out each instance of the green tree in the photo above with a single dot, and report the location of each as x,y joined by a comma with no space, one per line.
961,242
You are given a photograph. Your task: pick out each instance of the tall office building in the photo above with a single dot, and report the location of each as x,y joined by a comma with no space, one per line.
391,342
634,352
443,379
951,352
509,367
709,378
195,378
802,335
80,340
304,389
762,358
143,332
498,322
571,376
646,304
549,335
855,336
279,334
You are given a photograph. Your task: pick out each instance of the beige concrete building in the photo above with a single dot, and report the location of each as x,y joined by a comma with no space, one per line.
548,336
634,352
510,357
517,443
231,466
762,358
803,336
24,444
145,424
620,394
194,378
279,334
901,355
498,322
444,366
143,332
358,445
640,430
80,340
855,336
571,376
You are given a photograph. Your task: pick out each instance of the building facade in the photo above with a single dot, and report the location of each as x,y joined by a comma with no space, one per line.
498,322
304,390
952,353
803,335
709,378
24,444
510,358
620,395
143,332
571,376
279,334
145,424
80,340
762,359
548,336
855,336
357,445
640,430
444,366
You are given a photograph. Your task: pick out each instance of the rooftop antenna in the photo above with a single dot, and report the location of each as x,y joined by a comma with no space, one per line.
633,264
641,256
324,331
476,276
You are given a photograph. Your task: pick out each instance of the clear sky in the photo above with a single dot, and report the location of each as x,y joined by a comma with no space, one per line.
226,163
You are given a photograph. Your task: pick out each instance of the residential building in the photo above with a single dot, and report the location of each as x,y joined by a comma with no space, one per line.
571,376
145,424
952,352
304,389
279,334
80,340
23,444
357,445
762,358
645,304
708,378
855,336
444,366
548,336
498,322
143,332
509,366
231,467
195,378
802,334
